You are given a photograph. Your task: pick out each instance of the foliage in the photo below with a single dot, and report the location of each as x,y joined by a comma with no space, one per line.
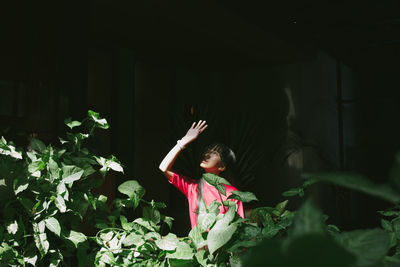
46,195
46,199
217,239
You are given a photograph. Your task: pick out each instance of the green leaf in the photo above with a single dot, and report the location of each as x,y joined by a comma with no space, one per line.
168,220
132,239
308,219
41,243
396,227
386,225
71,124
71,174
280,207
152,214
60,204
183,252
132,189
221,232
125,224
369,246
107,257
242,196
152,235
9,150
238,246
21,188
31,260
178,263
37,145
36,166
200,257
76,238
12,227
214,179
390,213
53,168
219,235
221,188
168,242
294,192
205,221
197,238
100,122
53,225
146,223
358,183
115,166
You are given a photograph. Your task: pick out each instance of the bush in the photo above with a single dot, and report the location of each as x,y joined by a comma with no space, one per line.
46,198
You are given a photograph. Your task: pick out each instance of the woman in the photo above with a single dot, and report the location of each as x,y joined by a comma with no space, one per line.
217,159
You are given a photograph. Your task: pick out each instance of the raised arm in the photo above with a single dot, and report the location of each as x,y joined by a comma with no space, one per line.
191,135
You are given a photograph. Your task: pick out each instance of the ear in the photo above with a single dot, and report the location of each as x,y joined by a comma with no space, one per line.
222,168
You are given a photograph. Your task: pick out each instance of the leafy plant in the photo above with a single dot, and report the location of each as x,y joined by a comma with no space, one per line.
46,194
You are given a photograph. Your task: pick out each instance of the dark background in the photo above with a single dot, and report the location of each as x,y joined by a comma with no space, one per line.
291,86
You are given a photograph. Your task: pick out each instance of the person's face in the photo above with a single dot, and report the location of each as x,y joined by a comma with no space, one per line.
212,162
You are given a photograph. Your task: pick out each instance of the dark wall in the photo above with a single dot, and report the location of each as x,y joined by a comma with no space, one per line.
281,119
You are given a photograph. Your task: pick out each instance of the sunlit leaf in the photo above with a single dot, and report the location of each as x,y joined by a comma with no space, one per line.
37,145
76,237
53,225
243,196
71,174
214,179
168,242
71,124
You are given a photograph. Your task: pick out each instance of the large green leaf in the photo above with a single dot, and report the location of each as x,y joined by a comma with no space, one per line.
222,231
71,173
308,219
168,242
132,239
152,214
37,145
358,183
53,225
183,251
243,196
214,179
197,238
369,246
133,190
205,221
219,235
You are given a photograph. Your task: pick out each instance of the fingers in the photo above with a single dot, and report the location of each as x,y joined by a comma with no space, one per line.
200,124
203,128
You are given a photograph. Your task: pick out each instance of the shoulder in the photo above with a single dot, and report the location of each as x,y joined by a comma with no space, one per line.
177,176
230,188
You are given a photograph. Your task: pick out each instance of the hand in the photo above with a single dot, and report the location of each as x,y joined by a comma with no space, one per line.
194,131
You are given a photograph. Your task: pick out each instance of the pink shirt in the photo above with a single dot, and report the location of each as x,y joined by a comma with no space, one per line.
189,187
